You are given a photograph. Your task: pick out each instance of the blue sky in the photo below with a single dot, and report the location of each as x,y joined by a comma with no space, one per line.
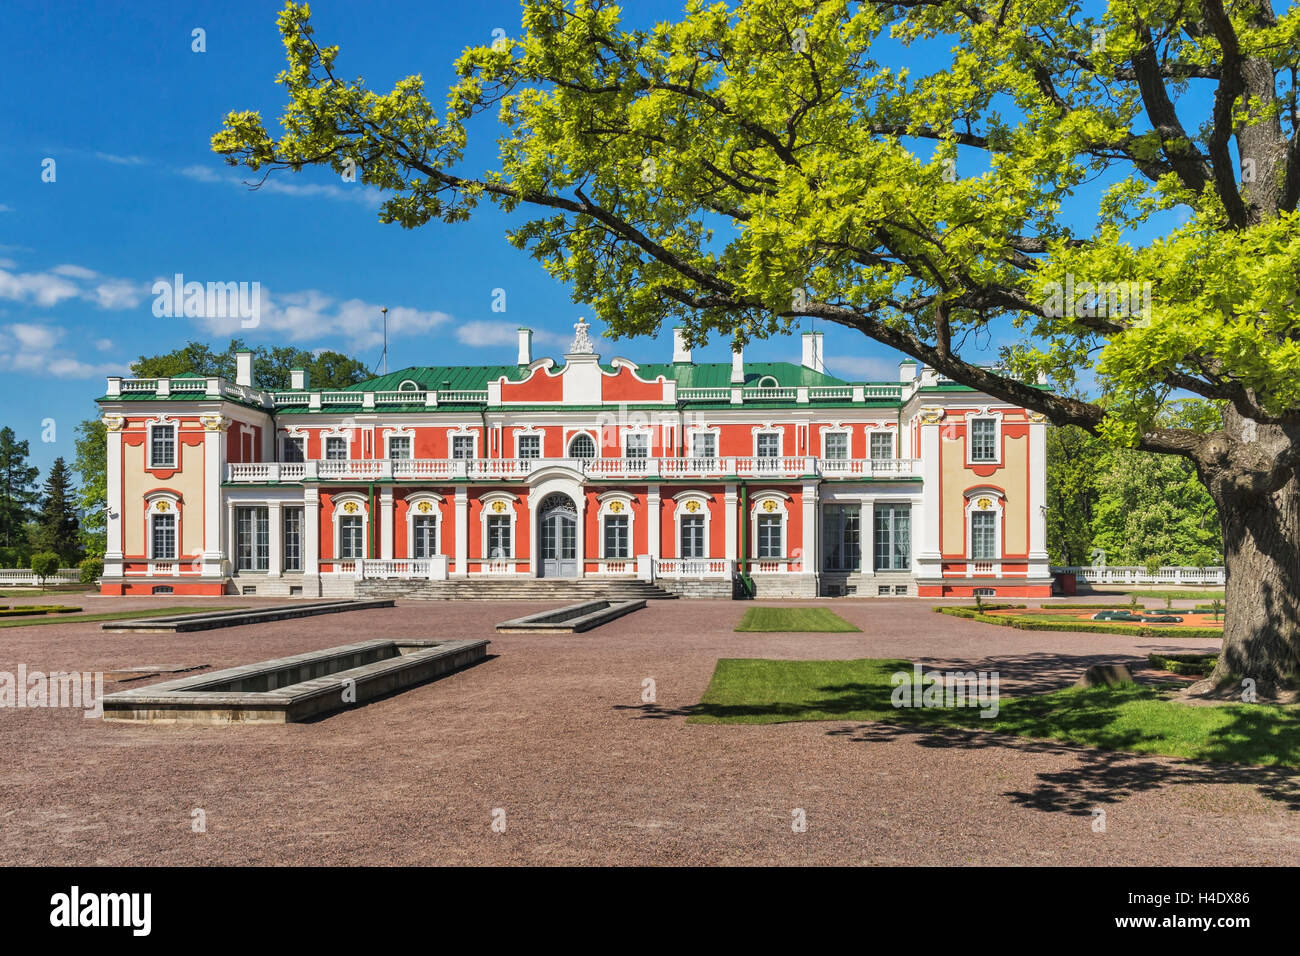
125,109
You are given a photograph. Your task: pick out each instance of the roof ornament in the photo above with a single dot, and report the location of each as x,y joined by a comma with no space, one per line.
581,340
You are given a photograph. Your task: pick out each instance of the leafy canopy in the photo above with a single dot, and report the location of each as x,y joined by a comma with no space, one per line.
755,162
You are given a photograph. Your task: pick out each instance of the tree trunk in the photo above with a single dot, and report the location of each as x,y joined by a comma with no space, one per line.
1252,475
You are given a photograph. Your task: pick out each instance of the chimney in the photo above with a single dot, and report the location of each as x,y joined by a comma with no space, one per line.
812,351
244,369
525,346
906,370
297,379
737,365
681,354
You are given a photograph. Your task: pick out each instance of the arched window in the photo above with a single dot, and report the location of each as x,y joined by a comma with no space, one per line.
582,446
409,386
767,381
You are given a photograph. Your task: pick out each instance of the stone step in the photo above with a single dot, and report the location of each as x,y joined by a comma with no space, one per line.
533,589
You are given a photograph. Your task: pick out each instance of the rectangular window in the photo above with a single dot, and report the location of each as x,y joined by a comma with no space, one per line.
162,446
424,536
352,539
693,545
164,537
252,539
292,519
399,447
498,536
841,535
983,439
294,450
769,445
336,449
636,446
530,446
462,446
882,445
893,528
704,445
983,535
616,536
769,537
836,445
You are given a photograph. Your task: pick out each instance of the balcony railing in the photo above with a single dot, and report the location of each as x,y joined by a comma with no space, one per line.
516,469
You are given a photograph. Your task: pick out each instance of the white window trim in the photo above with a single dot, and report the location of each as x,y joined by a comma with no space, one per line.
769,429
412,512
293,435
998,507
641,431
163,421
392,433
345,432
531,431
996,417
628,512
693,430
173,508
893,440
461,431
571,434
837,429
336,506
680,512
782,511
486,511
913,506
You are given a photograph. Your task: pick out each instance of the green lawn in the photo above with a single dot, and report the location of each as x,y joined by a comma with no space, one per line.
793,620
105,616
1134,718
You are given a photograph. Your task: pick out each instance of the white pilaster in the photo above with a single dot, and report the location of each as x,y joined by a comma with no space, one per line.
113,499
653,508
213,555
386,523
462,532
275,536
1038,560
928,559
729,526
811,564
311,530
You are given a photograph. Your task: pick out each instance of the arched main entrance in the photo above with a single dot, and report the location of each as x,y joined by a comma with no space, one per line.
557,534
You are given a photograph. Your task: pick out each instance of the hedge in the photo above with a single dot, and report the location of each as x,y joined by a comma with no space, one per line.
1190,665
32,609
1082,627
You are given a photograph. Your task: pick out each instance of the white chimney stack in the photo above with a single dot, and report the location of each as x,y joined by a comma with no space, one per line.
297,379
525,346
681,354
737,365
244,369
812,352
906,370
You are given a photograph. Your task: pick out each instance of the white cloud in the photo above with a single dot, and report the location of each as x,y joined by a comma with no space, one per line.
4,208
355,192
43,288
123,160
104,345
74,272
67,281
29,348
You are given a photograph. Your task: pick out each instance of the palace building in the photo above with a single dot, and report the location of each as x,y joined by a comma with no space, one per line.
771,479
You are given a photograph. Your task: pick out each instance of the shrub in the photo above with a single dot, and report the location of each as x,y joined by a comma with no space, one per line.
91,570
45,564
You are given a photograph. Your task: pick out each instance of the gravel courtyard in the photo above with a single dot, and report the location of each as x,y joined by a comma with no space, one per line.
552,731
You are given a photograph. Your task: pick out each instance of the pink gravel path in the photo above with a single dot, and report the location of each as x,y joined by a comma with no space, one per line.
552,730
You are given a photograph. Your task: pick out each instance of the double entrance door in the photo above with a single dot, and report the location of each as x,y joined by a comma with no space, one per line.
557,530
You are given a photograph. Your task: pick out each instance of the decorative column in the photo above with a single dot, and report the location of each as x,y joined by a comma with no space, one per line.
654,508
811,562
310,532
1039,568
928,557
729,525
275,539
113,503
386,522
462,532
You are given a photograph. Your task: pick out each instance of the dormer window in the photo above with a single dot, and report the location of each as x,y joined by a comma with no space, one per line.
767,381
409,386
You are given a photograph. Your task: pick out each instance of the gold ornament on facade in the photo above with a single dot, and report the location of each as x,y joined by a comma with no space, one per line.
931,416
424,507
692,506
769,505
114,423
498,506
616,506
985,504
350,507
214,423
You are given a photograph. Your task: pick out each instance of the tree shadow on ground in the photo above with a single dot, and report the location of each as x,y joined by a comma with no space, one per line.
1099,776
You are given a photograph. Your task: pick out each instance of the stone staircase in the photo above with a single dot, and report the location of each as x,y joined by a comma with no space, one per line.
556,590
